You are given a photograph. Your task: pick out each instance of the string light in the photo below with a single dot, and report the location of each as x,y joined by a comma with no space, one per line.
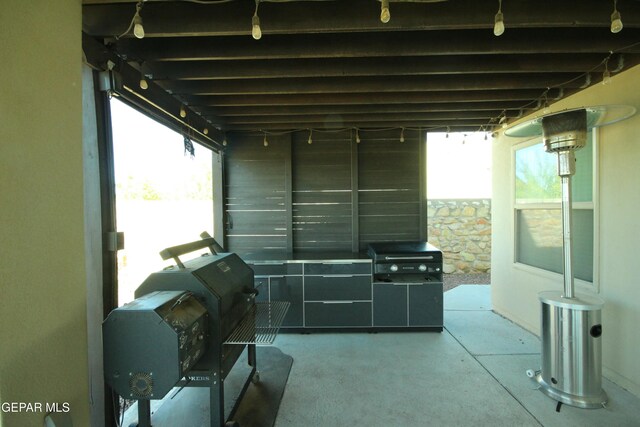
144,85
224,140
448,130
265,142
402,135
310,141
385,14
498,26
138,29
616,19
183,112
205,131
357,136
256,31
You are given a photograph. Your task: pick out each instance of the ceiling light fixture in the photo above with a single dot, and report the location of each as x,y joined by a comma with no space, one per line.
498,26
616,19
138,29
385,14
256,31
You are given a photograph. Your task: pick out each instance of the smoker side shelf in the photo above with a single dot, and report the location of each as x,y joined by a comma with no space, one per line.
260,325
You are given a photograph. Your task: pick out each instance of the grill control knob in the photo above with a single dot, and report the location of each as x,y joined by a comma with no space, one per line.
422,267
393,268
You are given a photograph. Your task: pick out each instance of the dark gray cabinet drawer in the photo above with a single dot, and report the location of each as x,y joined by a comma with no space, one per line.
337,267
333,288
425,304
289,289
275,269
337,314
389,304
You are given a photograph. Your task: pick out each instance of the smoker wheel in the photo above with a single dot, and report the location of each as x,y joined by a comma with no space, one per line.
256,377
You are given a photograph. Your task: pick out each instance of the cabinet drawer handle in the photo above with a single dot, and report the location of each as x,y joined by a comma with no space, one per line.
344,276
267,263
276,277
336,263
338,302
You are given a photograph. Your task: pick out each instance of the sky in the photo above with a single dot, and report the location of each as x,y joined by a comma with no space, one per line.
458,167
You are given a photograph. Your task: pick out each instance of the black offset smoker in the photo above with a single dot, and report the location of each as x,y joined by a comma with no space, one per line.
187,327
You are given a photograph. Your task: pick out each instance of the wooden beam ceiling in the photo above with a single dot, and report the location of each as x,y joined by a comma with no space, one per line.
331,64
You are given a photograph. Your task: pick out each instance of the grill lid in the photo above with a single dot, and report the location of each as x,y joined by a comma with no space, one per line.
404,252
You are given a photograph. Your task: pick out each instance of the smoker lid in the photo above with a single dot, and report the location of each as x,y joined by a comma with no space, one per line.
581,302
403,248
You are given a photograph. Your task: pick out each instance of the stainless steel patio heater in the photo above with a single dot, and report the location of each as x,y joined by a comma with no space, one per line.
571,326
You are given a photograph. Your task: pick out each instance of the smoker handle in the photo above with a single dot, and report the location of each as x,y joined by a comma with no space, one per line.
215,247
175,251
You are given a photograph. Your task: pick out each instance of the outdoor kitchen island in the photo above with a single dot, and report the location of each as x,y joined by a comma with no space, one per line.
354,291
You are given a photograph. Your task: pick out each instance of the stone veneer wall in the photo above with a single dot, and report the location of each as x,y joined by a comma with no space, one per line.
462,230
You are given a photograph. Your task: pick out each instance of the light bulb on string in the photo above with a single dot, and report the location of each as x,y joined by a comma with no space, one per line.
265,142
224,140
402,135
498,26
205,131
385,14
616,19
183,112
144,85
448,130
256,31
138,28
357,136
310,141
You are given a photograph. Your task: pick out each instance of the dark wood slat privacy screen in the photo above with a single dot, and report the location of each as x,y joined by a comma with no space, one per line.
331,195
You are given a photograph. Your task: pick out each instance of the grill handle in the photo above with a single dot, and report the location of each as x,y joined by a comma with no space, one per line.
400,258
175,251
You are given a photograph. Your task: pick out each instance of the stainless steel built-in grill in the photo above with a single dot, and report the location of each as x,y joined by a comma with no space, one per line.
412,261
408,274
188,326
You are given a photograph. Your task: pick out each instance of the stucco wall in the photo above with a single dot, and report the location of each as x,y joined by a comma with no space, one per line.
515,288
43,334
461,228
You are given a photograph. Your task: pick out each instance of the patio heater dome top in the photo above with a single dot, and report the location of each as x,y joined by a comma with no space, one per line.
599,115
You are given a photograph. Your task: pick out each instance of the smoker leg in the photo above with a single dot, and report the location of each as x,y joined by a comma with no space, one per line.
251,351
144,413
216,394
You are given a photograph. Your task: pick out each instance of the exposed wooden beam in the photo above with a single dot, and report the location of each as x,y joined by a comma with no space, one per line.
392,44
292,111
404,66
371,84
441,125
362,118
348,98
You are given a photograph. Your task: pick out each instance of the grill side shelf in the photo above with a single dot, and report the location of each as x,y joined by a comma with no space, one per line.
260,325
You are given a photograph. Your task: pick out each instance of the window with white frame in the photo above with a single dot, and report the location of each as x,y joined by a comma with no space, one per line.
538,218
